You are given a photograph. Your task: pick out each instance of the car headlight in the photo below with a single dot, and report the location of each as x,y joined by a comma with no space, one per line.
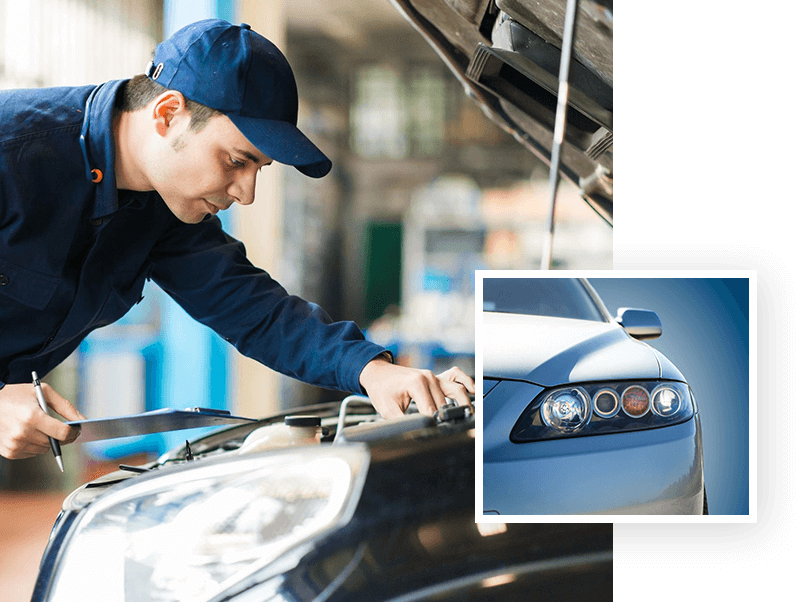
607,407
666,401
194,531
635,401
566,410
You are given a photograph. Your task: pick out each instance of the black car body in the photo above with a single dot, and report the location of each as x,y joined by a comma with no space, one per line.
407,530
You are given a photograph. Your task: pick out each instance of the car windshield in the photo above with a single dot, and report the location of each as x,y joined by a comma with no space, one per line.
555,297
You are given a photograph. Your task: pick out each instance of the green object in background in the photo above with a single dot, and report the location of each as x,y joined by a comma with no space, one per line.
382,268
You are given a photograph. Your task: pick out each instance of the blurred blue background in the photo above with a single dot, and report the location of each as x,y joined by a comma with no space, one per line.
706,335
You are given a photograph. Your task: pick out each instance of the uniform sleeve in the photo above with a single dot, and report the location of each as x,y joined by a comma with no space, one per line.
207,272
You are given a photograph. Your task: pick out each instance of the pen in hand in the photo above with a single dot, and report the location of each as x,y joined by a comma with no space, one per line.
54,445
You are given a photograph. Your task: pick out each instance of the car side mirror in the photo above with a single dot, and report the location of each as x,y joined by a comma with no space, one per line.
639,323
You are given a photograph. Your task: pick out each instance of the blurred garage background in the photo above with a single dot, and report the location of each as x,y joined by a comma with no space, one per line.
424,191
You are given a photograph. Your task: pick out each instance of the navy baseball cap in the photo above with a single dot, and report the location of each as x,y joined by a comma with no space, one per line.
234,70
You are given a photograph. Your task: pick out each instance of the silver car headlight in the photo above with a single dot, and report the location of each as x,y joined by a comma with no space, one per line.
193,531
600,408
567,410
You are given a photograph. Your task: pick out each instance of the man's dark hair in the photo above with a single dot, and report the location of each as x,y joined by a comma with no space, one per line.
140,90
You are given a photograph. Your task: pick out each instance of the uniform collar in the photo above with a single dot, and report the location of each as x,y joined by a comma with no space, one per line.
98,147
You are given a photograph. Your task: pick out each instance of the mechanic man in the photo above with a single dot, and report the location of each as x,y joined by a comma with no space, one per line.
104,187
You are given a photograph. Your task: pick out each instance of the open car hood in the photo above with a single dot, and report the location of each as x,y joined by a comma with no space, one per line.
506,53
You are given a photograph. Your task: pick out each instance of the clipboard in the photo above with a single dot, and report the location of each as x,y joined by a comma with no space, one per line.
156,421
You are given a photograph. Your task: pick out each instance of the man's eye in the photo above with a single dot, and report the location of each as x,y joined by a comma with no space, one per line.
236,163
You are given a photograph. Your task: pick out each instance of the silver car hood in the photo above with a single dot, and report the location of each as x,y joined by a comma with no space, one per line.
552,351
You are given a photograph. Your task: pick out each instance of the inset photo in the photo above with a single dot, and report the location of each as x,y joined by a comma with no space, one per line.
623,395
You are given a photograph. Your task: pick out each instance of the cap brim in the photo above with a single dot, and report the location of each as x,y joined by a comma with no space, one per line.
283,142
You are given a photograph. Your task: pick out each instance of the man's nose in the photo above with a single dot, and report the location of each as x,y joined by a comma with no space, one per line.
243,189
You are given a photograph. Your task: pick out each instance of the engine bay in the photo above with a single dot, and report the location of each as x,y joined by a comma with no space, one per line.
337,423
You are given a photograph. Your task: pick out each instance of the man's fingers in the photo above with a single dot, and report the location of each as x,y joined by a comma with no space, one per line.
392,411
456,385
18,450
60,405
29,438
458,392
390,387
34,449
425,404
454,374
432,394
436,391
467,382
25,428
55,428
75,432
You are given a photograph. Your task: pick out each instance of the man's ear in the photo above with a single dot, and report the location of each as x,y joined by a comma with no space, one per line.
167,106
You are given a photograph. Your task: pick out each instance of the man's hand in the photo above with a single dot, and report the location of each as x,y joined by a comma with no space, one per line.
391,388
24,427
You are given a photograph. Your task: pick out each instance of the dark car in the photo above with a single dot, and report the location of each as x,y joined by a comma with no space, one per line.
367,510
506,53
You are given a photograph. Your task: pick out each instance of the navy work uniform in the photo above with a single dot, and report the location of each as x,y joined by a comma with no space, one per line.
75,253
